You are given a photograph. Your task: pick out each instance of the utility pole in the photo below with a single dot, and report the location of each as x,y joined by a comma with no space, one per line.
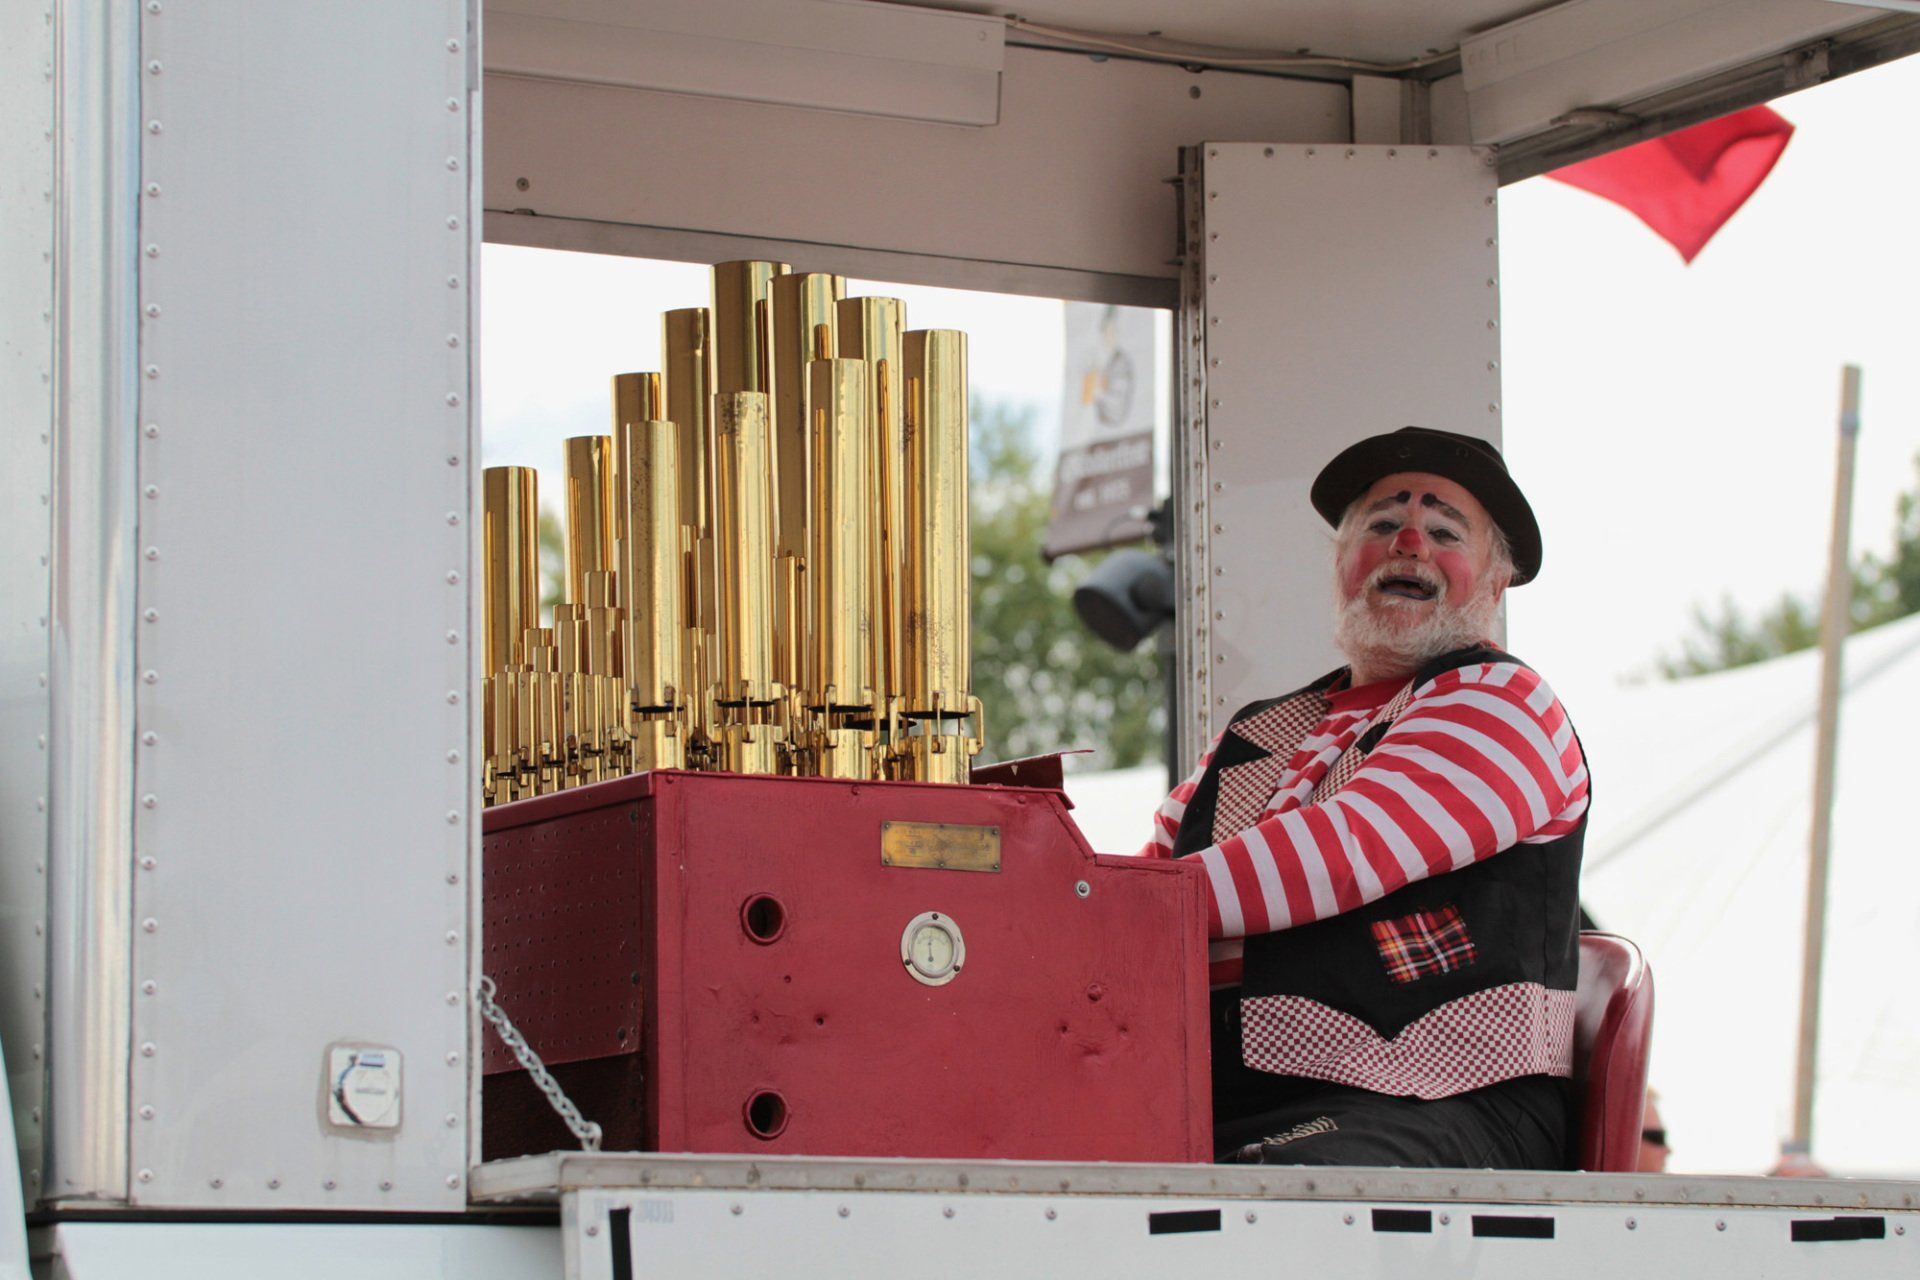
1834,625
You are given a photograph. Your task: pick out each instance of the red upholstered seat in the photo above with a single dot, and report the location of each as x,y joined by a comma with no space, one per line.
1613,1031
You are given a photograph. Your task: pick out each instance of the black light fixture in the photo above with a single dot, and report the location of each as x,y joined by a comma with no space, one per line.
1127,597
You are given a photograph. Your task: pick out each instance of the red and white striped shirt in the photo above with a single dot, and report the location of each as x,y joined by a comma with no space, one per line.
1482,758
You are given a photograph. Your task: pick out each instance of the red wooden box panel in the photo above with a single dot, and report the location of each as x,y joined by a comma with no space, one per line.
1076,1029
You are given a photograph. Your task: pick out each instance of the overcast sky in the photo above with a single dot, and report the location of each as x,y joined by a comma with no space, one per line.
1672,424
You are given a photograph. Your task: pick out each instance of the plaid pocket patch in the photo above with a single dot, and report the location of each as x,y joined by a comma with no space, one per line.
1423,944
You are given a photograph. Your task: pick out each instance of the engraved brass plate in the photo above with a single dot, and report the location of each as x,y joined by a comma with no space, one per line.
944,846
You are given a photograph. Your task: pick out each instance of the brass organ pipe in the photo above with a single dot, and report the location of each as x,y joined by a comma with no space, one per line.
840,560
743,524
802,303
938,578
873,330
589,548
687,360
650,564
840,572
744,697
739,338
637,397
511,512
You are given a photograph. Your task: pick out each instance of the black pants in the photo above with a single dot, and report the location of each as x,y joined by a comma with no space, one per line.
1264,1118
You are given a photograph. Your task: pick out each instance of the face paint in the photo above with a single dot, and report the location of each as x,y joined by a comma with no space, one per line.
1412,575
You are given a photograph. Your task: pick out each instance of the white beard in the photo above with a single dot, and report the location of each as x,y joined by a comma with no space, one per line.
1373,643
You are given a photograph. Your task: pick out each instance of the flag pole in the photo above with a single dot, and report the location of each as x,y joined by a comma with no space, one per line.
1834,625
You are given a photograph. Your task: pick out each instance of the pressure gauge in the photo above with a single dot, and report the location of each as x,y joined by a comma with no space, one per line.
931,949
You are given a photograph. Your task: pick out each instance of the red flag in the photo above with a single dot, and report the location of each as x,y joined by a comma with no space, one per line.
1686,185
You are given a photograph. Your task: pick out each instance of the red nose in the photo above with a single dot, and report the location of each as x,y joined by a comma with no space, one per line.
1408,542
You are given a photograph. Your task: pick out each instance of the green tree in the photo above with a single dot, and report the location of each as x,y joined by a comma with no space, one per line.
1883,589
1045,681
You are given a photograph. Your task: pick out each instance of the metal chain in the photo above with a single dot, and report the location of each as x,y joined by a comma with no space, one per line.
582,1128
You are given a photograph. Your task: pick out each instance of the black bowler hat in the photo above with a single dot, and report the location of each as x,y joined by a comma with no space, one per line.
1468,461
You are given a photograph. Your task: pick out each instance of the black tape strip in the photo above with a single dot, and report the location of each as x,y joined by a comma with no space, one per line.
620,1242
1510,1228
1826,1230
1403,1220
1183,1220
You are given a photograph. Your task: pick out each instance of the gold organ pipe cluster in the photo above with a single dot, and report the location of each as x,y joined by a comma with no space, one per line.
767,562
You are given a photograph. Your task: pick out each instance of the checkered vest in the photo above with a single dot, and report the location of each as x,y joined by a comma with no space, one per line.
1444,985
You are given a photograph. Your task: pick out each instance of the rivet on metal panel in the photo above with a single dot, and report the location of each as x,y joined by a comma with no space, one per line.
1350,153
453,340
1082,888
453,163
453,877
153,126
215,1183
1052,1214
148,863
153,371
453,757
150,738
153,188
453,104
150,925
147,1050
153,553
151,615
149,801
328,1185
453,696
453,399
453,938
146,1175
1489,202
1720,1225
1493,324
146,1113
1252,1216
153,68
1432,152
153,251
386,1184
453,997
273,1184
1213,154
453,817
453,224
1213,235
151,677
453,517
152,491
845,1212
1392,153
1632,1224
453,1121
1347,1217
593,1231
1218,572
1218,487
453,282
453,1182
149,986
152,429
453,637
453,1059
153,311
946,1212
453,46
1493,408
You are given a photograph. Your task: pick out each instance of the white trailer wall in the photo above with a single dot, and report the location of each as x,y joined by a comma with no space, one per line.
1067,195
303,806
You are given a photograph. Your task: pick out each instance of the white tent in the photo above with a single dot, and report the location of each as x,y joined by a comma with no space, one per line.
1697,850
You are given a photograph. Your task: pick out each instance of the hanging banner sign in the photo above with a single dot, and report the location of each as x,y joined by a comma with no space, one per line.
1103,486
